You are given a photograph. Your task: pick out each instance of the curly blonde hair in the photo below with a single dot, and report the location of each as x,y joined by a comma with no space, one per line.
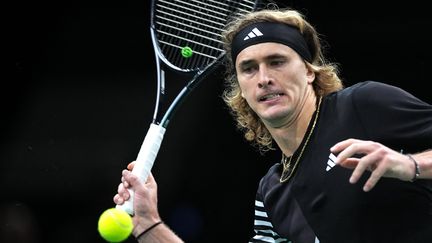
326,81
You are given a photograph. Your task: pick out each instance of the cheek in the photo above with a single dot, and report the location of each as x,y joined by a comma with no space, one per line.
247,88
242,89
245,95
245,92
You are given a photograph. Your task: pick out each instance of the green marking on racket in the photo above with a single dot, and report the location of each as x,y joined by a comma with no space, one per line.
186,52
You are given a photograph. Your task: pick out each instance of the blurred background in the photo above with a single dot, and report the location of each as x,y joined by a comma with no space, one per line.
81,101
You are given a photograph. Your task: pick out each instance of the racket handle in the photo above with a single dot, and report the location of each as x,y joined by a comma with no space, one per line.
145,159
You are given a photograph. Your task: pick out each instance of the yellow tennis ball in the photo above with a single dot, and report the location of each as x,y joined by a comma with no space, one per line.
115,225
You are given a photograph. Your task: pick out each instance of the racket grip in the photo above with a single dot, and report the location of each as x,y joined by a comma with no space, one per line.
145,159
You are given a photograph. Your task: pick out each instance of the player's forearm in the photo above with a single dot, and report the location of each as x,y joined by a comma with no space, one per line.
424,161
159,234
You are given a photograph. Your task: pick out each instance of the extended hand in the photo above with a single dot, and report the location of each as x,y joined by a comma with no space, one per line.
375,157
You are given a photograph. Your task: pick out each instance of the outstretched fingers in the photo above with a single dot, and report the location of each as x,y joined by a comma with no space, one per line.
373,163
369,158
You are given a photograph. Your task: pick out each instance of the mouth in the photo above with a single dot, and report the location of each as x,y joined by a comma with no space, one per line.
270,96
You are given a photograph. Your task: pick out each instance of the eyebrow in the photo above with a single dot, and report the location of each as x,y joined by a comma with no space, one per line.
267,58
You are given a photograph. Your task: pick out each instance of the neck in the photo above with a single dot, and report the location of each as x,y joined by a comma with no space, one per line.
289,138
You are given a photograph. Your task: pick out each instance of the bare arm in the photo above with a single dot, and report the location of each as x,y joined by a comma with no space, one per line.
145,208
381,161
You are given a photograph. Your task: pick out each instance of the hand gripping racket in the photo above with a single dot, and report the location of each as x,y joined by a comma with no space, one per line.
186,37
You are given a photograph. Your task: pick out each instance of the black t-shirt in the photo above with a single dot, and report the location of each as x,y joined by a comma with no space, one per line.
318,204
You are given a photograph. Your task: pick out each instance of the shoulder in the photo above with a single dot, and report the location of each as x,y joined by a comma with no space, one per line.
269,178
372,94
371,89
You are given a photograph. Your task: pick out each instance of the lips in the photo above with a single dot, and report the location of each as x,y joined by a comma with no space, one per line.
270,96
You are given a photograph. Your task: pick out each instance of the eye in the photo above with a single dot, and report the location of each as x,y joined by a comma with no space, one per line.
277,62
247,69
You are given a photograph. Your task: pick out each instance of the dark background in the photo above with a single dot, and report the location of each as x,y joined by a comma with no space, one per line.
81,100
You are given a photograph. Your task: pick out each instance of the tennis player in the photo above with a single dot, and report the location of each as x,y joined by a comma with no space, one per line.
356,161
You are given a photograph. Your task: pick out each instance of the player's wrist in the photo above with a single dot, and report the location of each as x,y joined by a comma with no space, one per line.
142,224
416,170
148,230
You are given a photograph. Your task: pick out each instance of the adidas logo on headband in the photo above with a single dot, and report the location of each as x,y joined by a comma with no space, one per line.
261,32
254,33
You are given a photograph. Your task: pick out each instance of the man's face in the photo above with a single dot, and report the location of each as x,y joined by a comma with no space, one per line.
274,80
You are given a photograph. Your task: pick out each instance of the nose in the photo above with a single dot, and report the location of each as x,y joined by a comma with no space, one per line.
265,78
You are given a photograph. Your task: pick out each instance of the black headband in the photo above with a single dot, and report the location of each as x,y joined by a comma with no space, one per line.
260,32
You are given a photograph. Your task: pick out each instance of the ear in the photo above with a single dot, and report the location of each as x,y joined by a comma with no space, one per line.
310,75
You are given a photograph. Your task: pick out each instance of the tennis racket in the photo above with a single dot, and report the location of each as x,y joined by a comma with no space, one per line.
186,37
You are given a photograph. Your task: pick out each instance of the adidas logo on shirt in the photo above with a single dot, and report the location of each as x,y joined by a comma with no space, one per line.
331,162
254,33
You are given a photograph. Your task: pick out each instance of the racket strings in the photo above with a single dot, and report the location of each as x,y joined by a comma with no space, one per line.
196,24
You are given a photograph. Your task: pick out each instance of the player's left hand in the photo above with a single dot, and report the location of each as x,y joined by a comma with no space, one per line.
375,157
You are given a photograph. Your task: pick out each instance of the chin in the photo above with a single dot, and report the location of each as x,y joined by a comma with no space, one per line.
274,116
